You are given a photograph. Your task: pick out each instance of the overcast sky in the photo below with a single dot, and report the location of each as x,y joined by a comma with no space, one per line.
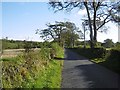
21,19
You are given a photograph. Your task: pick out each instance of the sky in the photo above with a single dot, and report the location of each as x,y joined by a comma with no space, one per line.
21,19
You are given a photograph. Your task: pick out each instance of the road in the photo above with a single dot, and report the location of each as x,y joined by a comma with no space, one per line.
79,72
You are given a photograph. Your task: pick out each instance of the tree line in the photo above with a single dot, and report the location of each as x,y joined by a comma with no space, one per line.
19,44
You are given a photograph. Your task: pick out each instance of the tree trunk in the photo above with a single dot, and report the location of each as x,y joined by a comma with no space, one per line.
90,26
94,25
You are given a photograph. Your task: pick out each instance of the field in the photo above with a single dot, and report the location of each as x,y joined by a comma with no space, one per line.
7,53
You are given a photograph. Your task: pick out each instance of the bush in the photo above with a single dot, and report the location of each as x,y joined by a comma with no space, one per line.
112,61
113,55
91,53
31,70
99,52
107,58
56,50
21,71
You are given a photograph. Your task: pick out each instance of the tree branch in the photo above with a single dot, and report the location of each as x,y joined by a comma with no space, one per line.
104,21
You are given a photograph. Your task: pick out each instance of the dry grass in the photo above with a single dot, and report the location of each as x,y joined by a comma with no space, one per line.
14,52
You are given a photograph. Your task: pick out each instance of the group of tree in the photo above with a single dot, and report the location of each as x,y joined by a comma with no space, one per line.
64,33
99,12
107,43
19,44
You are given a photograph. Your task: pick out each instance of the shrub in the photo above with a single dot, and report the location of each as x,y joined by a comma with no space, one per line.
113,55
112,61
21,71
31,69
99,52
91,53
107,58
56,50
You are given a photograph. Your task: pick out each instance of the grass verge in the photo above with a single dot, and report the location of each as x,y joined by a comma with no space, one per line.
50,77
32,70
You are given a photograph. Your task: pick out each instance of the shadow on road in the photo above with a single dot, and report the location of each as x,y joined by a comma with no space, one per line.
79,72
70,56
98,77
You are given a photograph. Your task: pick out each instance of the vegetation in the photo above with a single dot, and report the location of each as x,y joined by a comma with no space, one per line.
97,17
117,46
64,33
33,69
114,13
107,58
17,44
108,43
39,68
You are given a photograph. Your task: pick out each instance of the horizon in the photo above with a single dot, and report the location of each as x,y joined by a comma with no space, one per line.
49,41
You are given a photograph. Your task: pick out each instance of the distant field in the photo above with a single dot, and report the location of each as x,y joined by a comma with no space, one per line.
14,52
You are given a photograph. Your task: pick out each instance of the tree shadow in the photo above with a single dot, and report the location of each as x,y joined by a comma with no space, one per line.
97,76
70,55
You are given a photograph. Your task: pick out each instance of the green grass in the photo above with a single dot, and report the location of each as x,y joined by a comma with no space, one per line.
32,70
98,60
51,76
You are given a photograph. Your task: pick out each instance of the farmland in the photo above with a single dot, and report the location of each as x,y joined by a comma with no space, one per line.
14,52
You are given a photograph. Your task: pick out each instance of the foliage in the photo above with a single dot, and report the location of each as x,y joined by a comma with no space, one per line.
111,60
98,45
107,58
9,45
27,46
108,43
117,46
97,14
91,53
113,55
15,44
114,13
61,32
56,50
32,69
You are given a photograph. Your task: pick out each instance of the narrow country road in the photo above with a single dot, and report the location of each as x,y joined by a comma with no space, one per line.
79,72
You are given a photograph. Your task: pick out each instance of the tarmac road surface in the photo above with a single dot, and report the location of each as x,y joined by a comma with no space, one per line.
79,72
